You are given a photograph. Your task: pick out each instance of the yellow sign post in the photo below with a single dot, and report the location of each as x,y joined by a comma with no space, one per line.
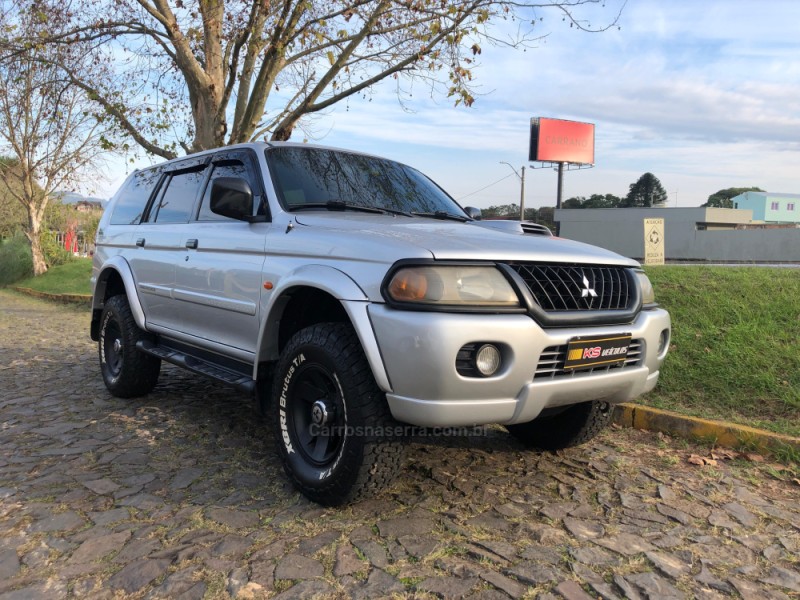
654,241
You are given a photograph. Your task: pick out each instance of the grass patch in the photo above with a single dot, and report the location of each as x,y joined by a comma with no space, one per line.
15,259
70,278
734,344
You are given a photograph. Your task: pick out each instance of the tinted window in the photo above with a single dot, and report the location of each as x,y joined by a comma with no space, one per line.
229,168
133,197
315,176
177,201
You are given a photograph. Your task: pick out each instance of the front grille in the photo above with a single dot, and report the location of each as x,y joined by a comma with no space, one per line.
551,362
559,288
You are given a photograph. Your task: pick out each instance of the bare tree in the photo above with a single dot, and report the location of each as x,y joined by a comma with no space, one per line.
47,126
196,74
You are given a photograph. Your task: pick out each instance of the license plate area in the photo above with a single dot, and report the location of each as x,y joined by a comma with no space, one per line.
586,352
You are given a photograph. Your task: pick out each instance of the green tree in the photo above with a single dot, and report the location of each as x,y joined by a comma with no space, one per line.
45,126
197,74
646,191
724,198
574,202
603,201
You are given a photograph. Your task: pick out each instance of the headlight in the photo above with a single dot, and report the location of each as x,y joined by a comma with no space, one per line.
648,293
451,286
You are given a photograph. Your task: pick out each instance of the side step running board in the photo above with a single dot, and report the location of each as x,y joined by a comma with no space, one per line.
192,363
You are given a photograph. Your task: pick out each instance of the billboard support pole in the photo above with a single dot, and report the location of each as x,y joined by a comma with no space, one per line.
560,184
522,196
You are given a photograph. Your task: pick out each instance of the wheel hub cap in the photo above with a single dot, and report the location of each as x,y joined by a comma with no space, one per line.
117,345
319,413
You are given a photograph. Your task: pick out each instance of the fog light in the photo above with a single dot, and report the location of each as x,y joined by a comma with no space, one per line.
663,342
487,360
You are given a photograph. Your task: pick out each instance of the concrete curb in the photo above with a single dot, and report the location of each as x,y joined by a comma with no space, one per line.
62,298
720,433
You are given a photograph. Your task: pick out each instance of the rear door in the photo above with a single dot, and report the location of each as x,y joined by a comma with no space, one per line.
159,241
218,276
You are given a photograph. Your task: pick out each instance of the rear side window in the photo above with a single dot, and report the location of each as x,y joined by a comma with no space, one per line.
132,198
177,201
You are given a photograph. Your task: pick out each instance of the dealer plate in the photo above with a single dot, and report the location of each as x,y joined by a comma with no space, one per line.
597,351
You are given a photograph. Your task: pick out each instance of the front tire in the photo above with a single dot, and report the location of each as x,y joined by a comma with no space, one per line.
127,372
334,432
573,426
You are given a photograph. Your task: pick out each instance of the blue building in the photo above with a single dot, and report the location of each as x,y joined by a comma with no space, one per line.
770,208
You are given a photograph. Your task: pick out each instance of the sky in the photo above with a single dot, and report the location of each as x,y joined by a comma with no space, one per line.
704,95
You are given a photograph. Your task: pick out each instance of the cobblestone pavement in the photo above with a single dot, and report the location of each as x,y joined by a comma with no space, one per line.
178,495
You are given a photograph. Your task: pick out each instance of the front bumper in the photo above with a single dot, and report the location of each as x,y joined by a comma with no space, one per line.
419,351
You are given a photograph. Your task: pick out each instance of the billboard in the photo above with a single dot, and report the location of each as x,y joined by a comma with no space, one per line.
557,140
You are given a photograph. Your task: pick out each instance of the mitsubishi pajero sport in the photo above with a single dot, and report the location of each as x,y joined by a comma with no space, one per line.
354,298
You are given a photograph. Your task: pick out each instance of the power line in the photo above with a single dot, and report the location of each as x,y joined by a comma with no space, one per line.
485,187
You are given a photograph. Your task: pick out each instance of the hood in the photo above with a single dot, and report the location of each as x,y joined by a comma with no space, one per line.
404,237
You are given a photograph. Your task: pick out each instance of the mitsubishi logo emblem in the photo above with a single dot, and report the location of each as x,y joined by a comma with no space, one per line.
587,291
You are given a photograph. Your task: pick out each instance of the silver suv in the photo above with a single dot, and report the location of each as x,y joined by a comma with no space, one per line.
356,301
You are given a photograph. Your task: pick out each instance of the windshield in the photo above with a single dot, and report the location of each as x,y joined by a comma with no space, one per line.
320,177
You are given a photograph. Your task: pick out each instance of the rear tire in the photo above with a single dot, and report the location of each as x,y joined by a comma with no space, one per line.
334,432
127,372
571,427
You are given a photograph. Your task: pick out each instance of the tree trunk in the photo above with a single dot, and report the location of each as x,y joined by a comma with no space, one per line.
33,234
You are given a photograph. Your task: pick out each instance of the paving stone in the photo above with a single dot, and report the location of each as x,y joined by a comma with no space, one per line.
784,578
97,547
708,579
379,584
232,546
533,574
448,587
9,564
572,591
594,556
625,543
406,526
306,590
136,575
295,566
741,514
671,565
66,521
749,590
418,546
234,518
654,586
347,561
584,530
312,545
185,477
102,486
375,553
185,584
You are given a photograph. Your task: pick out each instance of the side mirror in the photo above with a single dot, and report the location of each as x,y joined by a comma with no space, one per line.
232,197
473,213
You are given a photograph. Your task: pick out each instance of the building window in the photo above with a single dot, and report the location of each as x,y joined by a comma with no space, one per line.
790,206
774,206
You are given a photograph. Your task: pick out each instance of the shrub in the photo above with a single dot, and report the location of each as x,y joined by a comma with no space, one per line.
15,259
54,253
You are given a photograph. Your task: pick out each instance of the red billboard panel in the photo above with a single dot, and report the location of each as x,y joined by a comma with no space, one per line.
557,140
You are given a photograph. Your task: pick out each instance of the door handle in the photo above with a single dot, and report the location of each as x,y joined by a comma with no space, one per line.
140,242
191,244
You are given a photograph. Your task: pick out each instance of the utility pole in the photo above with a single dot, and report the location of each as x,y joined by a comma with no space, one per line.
521,189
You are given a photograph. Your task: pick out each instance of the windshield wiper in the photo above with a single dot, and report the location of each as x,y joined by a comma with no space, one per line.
441,214
341,205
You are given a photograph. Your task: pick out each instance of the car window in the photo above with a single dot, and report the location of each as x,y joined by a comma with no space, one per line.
228,168
132,198
316,176
176,203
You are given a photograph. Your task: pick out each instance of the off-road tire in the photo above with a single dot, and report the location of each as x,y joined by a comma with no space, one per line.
324,366
571,427
127,372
